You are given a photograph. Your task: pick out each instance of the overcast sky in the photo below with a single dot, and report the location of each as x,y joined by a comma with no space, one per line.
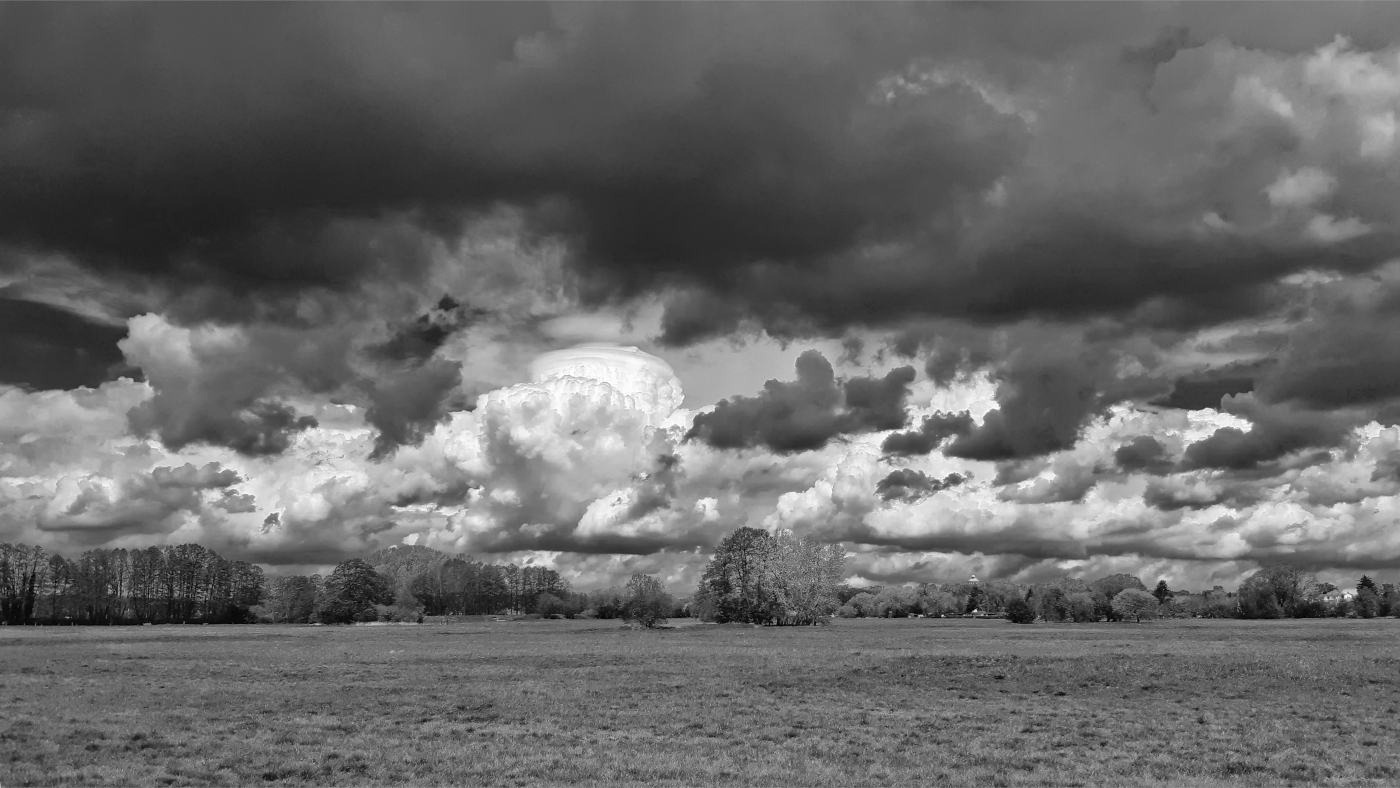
1024,290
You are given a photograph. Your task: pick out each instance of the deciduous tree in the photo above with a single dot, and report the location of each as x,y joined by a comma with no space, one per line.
1018,611
740,578
1295,592
351,592
647,602
1135,604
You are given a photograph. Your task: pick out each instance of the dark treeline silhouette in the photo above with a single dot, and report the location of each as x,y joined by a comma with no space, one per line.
173,583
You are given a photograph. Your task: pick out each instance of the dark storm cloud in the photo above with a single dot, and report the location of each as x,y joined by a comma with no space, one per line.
1143,453
1052,379
1275,431
413,394
418,340
265,146
164,143
261,428
406,406
1070,483
1347,351
808,412
933,431
44,347
806,167
1041,405
910,485
1205,392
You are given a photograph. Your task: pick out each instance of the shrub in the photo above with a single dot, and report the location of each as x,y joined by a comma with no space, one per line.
1019,612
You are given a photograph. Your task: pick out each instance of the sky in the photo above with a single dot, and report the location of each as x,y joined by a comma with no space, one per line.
1019,290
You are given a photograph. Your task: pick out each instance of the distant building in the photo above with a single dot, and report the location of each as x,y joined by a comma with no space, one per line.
972,580
1337,596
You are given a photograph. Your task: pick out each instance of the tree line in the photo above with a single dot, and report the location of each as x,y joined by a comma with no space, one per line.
1275,591
155,585
754,577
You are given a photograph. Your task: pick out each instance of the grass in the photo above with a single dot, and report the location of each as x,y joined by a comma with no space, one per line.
858,703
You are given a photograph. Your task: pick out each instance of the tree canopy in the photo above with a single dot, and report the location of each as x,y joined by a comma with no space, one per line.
1135,604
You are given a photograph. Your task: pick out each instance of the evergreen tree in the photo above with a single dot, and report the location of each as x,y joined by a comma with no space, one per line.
1162,592
1366,583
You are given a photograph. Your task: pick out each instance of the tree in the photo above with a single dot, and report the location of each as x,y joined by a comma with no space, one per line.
1218,603
1082,609
647,602
807,574
1054,604
1135,604
1018,611
607,603
406,606
1366,583
934,602
461,586
1341,608
740,578
1258,601
896,602
1105,588
862,605
1295,591
351,592
1162,592
1368,603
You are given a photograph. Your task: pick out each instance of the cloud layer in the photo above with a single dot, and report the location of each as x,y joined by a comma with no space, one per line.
1124,298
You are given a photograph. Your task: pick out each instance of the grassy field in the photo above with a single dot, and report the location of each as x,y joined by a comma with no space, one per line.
862,702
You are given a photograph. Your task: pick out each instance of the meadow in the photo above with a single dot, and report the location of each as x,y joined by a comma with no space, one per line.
860,702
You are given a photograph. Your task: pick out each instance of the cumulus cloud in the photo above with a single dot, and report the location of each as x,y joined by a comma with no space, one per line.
906,485
1276,432
1143,453
211,383
932,431
808,412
